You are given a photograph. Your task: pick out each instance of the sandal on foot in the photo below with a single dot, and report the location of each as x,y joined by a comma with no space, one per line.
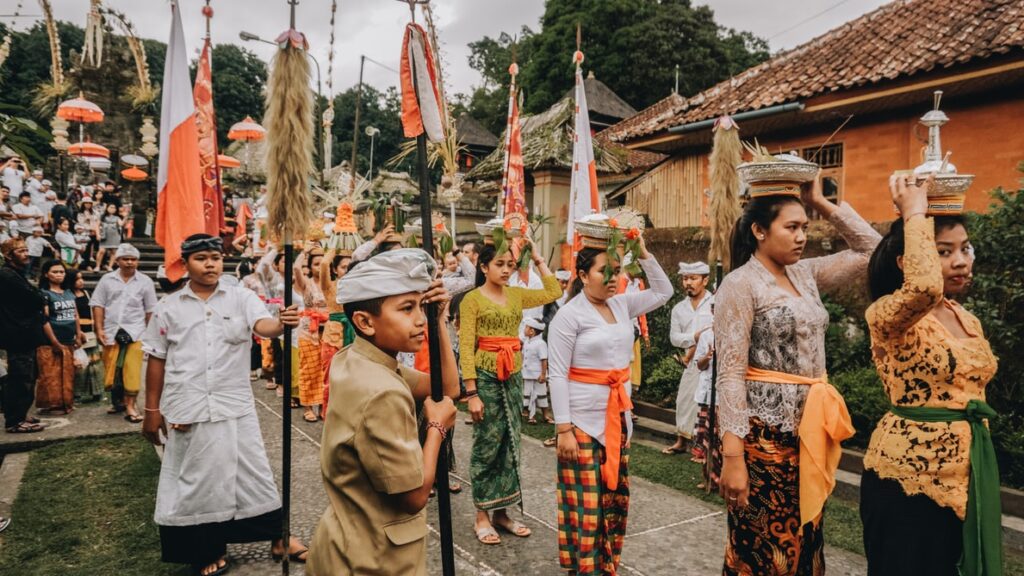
309,417
551,442
198,570
531,421
271,386
549,419
296,557
133,418
514,527
25,428
490,534
454,487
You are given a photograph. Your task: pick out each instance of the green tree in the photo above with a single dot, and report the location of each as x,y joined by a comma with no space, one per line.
382,110
491,57
633,46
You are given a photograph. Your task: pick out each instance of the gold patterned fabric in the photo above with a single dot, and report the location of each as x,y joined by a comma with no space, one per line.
922,364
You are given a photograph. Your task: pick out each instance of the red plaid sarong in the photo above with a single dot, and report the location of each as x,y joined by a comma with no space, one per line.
591,518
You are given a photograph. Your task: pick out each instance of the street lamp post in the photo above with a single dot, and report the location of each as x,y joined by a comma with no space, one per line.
372,133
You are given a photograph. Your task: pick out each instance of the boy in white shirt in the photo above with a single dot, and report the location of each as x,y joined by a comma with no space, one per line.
535,371
26,215
36,246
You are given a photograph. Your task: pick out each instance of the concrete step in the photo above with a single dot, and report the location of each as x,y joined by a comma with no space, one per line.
656,427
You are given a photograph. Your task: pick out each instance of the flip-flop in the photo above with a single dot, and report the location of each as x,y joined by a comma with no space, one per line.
25,428
133,418
310,417
488,532
222,570
292,557
515,528
551,442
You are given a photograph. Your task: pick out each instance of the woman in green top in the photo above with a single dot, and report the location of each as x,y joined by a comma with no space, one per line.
55,388
491,363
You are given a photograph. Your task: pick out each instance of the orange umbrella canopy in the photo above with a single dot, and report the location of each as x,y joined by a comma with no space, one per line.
133,174
247,131
225,161
88,149
79,110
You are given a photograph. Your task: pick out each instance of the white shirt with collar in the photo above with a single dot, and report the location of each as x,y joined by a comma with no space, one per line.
687,320
205,344
535,350
125,303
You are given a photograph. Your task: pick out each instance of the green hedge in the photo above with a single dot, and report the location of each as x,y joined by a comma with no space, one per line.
996,298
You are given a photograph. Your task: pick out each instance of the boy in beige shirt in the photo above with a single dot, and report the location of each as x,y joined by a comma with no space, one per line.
377,476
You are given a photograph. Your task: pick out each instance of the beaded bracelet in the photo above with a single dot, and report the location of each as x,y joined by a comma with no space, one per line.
437,426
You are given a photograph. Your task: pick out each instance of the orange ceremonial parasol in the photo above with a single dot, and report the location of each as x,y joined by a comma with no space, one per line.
225,161
134,174
89,149
79,110
247,131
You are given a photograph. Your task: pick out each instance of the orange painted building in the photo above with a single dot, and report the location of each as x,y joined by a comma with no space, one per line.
851,100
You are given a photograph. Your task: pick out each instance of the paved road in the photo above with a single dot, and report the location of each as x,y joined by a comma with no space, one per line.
669,533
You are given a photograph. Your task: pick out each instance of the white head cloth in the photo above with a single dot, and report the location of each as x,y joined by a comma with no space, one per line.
563,275
126,251
694,269
388,274
535,324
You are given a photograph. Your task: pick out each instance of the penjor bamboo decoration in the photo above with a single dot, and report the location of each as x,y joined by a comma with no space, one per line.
289,122
51,92
726,155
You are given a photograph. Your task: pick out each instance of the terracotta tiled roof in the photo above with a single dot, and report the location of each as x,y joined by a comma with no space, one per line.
900,39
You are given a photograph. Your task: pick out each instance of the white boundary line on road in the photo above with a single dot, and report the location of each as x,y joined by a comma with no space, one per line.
465,554
674,524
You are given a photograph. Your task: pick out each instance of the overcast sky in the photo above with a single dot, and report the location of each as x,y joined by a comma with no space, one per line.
374,27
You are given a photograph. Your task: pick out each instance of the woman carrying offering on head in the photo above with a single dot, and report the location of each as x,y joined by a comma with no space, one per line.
779,450
590,345
930,488
491,364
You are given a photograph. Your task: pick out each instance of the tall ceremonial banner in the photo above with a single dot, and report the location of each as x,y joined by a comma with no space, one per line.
206,123
421,102
513,182
583,199
178,179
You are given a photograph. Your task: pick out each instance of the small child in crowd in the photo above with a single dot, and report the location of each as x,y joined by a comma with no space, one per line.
535,372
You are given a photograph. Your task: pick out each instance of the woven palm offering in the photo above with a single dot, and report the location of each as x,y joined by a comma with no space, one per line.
775,174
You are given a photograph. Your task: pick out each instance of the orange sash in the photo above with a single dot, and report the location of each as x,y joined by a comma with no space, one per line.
506,347
618,402
315,316
825,423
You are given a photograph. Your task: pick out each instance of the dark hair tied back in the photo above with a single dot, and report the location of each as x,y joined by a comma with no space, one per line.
884,273
486,254
584,263
762,211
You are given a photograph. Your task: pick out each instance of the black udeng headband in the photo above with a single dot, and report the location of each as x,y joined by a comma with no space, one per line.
200,244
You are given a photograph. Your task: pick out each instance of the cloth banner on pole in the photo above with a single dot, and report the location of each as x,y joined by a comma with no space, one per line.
514,188
421,101
179,186
206,124
583,198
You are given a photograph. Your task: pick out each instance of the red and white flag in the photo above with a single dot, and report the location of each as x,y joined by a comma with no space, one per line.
179,212
583,198
421,100
206,124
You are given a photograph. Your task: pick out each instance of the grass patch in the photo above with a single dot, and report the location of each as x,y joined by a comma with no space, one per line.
85,507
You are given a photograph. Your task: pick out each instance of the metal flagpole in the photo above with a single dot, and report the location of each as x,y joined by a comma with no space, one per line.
444,510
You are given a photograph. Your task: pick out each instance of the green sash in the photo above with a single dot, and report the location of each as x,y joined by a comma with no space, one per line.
348,332
983,534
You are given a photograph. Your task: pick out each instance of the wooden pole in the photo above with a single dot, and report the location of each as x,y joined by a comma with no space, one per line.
286,385
355,129
444,509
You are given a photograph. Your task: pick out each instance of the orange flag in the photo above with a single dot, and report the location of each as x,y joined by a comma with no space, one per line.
206,123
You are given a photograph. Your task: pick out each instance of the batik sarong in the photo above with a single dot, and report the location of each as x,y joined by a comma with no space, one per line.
765,537
311,377
591,518
55,389
494,461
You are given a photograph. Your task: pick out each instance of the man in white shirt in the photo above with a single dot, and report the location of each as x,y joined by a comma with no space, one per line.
13,175
216,485
26,215
535,372
690,317
34,183
121,306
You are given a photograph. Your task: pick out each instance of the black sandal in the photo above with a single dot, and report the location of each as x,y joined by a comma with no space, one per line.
133,418
293,557
222,570
25,428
